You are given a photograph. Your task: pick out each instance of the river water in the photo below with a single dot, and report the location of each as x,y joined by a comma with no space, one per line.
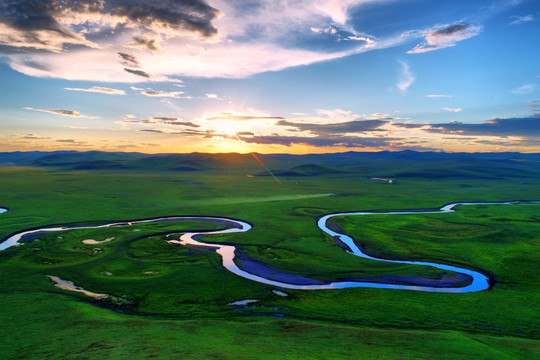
227,252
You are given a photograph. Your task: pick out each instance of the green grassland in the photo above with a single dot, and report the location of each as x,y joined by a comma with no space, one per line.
174,299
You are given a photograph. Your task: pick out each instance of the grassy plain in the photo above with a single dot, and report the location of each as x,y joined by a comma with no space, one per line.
176,298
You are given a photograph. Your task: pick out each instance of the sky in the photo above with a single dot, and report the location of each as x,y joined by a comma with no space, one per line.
270,76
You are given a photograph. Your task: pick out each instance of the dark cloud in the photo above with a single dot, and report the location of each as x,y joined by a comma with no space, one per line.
129,60
59,25
527,127
187,132
168,119
348,141
138,42
33,137
344,141
72,142
445,37
355,126
174,121
535,107
28,15
164,120
138,73
181,123
191,15
452,29
409,125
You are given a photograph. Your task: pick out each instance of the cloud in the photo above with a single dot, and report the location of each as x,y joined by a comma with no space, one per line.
335,113
229,116
350,142
72,142
446,36
142,43
406,77
129,60
155,93
70,113
355,126
522,19
31,137
99,89
139,40
187,132
524,89
438,96
128,116
526,127
65,17
139,73
163,120
213,96
534,106
452,109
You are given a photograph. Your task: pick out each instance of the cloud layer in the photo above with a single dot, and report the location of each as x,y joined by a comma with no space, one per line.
151,40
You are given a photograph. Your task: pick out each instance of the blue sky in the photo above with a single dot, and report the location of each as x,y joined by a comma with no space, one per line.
270,76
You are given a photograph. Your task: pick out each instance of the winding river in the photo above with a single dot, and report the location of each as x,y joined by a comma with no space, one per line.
227,252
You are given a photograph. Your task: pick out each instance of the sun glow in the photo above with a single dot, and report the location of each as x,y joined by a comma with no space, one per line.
229,127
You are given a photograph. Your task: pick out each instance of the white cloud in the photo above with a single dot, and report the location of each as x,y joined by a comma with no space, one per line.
336,113
452,109
99,89
521,19
524,89
156,93
87,44
158,47
406,77
438,96
70,113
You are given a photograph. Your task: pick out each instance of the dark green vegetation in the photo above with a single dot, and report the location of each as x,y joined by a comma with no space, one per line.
175,298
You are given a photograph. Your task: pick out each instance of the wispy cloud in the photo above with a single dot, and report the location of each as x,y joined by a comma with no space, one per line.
31,137
163,120
522,19
213,96
70,113
157,93
524,89
446,36
99,89
406,77
438,96
138,73
452,109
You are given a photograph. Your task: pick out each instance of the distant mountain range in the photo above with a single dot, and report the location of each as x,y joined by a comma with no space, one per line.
385,164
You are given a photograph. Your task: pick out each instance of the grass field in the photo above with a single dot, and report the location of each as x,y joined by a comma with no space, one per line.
172,301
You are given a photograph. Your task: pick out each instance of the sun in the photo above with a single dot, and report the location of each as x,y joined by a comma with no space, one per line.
230,127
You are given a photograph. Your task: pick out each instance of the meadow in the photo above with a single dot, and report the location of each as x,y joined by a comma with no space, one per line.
172,301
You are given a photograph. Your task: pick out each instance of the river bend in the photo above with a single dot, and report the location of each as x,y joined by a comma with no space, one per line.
227,252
